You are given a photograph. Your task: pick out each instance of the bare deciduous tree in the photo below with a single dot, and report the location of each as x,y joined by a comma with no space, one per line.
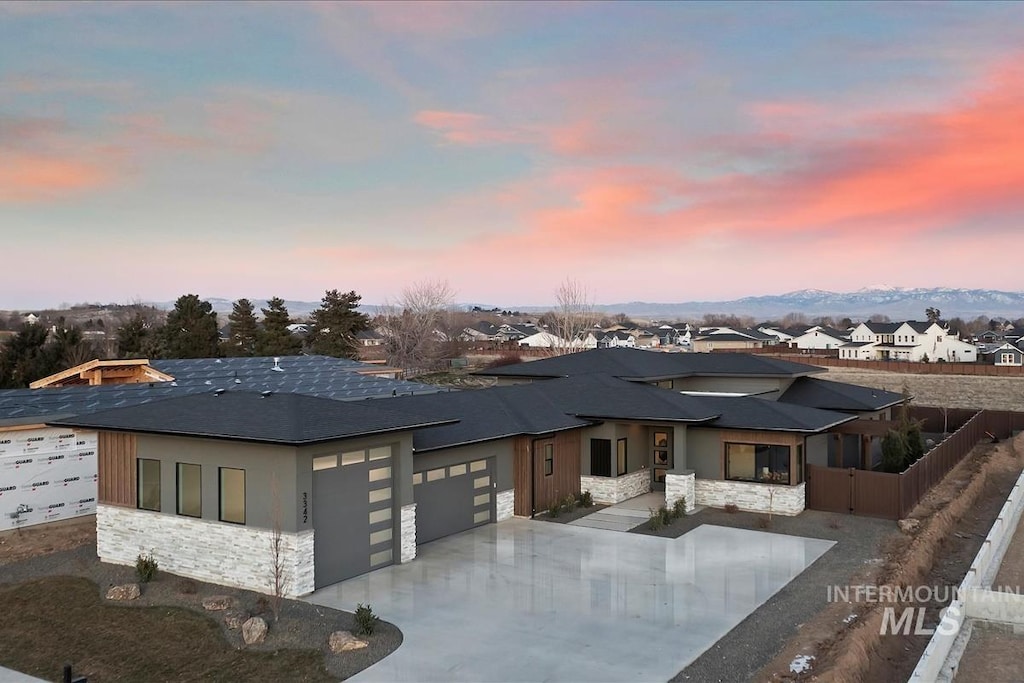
414,325
277,568
574,315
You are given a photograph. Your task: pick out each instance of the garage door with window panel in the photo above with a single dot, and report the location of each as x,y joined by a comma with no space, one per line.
352,513
453,498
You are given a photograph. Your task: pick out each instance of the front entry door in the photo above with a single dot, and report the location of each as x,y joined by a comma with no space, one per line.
661,459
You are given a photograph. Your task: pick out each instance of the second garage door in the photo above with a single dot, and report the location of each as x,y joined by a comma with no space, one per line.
453,498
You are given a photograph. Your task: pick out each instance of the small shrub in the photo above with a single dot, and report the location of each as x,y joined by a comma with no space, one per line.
555,508
654,522
187,587
145,567
667,516
731,508
586,499
366,620
764,522
569,503
679,507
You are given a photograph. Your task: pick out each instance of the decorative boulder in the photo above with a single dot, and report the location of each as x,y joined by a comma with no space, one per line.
128,591
343,641
254,631
234,619
216,603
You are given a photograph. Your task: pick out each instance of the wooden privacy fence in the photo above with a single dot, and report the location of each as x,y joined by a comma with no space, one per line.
893,496
906,367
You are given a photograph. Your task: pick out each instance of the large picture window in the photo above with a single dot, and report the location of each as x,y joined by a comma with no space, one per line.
148,484
601,457
232,495
190,493
757,462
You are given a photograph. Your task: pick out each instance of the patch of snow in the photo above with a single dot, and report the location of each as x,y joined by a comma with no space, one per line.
801,664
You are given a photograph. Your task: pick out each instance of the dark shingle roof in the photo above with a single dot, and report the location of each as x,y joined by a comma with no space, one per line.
545,407
727,336
822,393
286,419
883,328
751,412
638,364
321,376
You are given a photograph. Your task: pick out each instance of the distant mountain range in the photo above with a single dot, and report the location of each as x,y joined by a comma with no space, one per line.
896,302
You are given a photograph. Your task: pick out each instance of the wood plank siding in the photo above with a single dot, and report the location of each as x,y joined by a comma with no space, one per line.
116,468
537,490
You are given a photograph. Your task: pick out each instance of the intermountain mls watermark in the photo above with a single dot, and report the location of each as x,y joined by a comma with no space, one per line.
901,617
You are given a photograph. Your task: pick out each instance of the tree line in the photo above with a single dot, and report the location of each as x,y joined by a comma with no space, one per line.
189,330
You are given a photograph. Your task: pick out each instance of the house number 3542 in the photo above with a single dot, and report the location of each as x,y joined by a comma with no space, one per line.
305,507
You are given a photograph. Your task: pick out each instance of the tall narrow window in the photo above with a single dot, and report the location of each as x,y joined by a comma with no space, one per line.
190,494
620,457
232,495
601,457
549,459
148,484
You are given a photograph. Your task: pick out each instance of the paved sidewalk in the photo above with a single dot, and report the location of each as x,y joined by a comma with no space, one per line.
627,515
12,676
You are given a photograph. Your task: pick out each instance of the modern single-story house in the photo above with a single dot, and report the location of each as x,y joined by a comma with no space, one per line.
203,481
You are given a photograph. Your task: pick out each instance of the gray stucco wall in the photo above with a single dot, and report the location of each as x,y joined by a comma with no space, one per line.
817,449
289,469
500,449
639,444
262,463
704,452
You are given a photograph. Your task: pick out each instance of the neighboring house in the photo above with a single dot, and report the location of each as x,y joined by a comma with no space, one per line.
369,337
647,339
718,339
908,341
588,340
543,340
1007,355
819,338
616,339
30,318
482,331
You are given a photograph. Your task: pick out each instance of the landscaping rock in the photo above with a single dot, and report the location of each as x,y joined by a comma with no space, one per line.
216,603
908,526
343,641
234,619
128,591
254,631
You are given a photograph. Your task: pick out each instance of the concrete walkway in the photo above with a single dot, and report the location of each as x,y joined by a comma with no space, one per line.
624,516
12,676
533,601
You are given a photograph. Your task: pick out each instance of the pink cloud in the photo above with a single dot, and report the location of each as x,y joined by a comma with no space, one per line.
464,128
31,178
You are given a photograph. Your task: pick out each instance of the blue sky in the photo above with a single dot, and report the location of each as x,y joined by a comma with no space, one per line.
655,151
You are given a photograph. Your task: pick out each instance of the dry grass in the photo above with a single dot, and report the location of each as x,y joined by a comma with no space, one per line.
63,620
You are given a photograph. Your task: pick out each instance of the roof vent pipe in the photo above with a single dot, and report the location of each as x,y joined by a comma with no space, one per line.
277,365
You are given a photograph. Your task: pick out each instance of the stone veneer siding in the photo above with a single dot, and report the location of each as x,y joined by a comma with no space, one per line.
227,554
681,485
408,531
612,490
505,504
787,500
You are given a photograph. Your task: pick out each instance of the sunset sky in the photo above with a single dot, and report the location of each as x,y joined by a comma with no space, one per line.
657,152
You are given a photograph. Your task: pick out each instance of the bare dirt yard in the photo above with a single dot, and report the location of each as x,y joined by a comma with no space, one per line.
51,577
952,521
952,391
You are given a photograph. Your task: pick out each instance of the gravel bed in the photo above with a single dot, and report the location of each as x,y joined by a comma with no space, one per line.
755,641
301,626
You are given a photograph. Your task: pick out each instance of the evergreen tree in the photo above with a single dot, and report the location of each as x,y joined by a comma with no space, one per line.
23,358
191,329
275,339
132,336
243,329
335,325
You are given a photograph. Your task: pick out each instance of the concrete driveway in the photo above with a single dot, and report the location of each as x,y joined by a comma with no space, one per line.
536,601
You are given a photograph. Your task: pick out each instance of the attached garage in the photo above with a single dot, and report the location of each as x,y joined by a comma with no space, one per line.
353,520
454,498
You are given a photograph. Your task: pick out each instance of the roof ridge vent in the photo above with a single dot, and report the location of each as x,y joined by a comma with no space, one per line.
266,394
